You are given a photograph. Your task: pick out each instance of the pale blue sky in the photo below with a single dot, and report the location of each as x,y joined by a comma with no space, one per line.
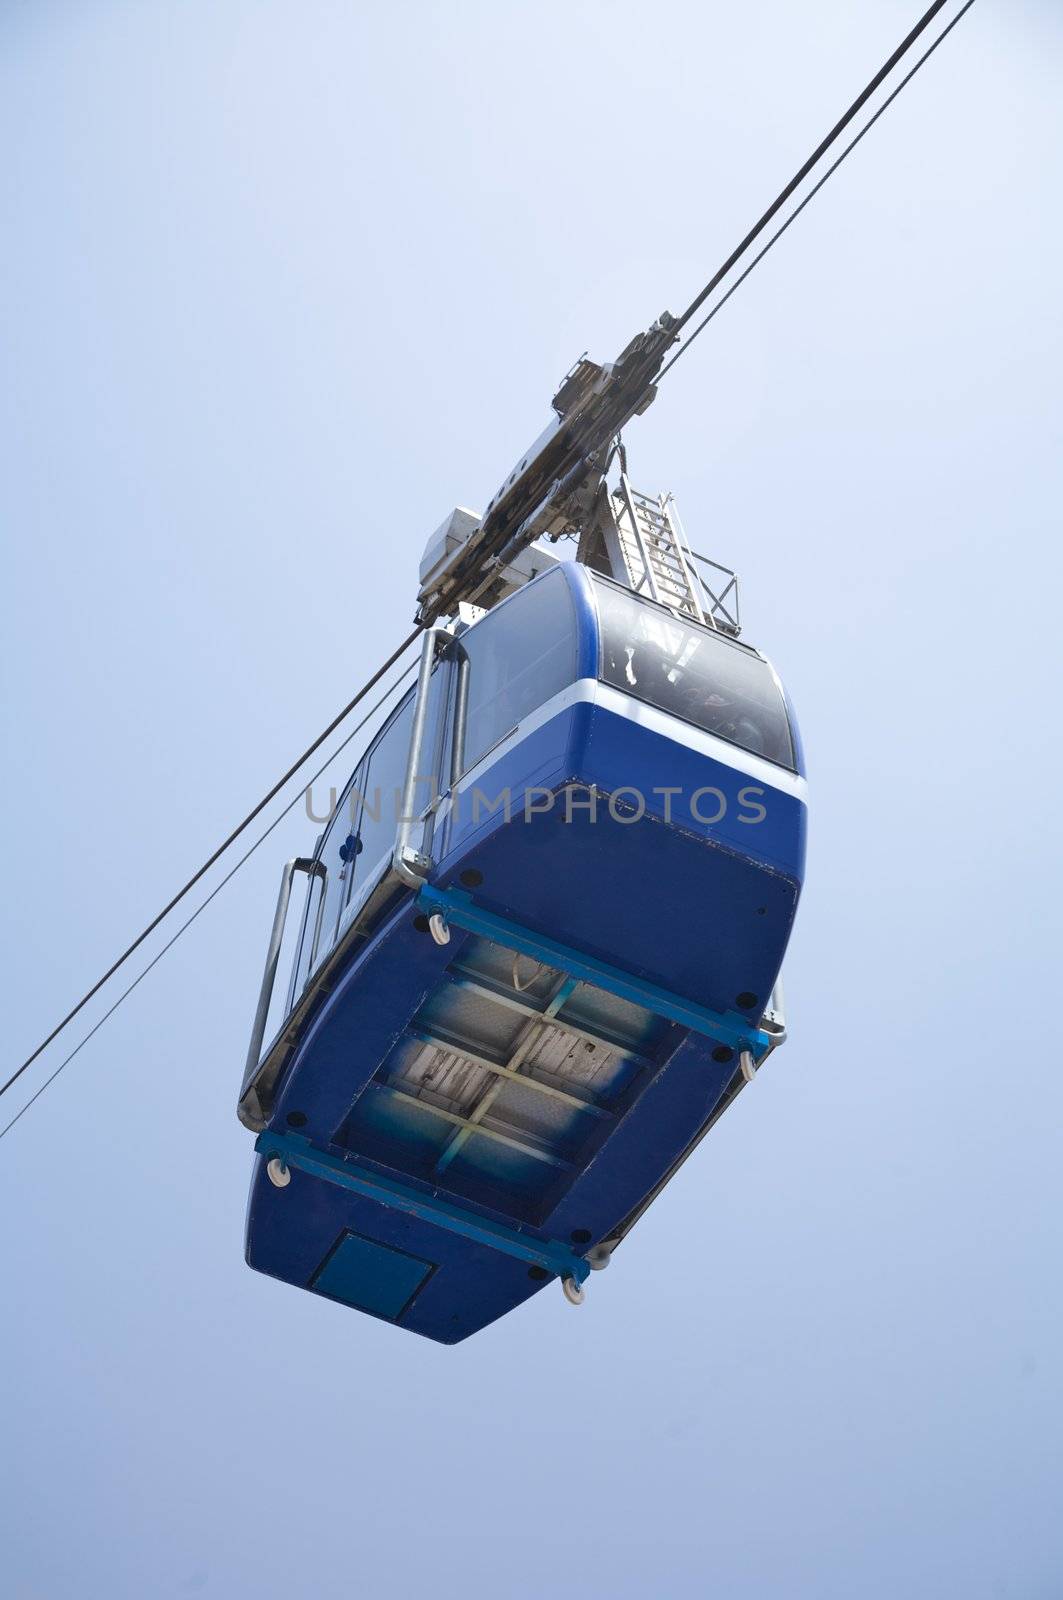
283,283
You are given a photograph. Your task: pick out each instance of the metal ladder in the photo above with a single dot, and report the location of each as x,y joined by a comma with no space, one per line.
654,552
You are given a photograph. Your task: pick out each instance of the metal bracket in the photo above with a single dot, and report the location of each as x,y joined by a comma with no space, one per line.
291,1150
729,1028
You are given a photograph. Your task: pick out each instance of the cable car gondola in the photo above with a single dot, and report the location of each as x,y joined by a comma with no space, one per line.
540,946
574,1017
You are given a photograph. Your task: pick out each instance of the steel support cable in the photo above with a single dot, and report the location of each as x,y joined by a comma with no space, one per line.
217,854
205,903
777,235
803,172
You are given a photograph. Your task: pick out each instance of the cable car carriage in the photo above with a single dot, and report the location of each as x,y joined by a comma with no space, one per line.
522,993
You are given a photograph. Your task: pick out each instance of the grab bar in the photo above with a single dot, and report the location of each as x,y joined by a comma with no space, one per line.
313,869
461,714
410,864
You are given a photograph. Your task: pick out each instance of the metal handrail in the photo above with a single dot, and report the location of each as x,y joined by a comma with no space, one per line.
461,715
408,863
313,869
718,602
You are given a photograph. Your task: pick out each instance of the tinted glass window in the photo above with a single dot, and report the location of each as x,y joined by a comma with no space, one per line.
693,672
383,774
518,656
336,857
361,832
301,964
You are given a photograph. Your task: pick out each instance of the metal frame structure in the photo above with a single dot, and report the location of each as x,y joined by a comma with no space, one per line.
292,1151
730,1029
648,552
721,609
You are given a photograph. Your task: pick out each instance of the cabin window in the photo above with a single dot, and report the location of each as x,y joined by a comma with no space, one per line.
379,785
338,857
301,964
693,672
514,660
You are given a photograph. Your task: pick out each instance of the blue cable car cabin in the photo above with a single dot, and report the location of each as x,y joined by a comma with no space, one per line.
538,957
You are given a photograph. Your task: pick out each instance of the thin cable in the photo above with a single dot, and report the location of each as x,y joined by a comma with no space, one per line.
220,851
202,907
813,191
799,177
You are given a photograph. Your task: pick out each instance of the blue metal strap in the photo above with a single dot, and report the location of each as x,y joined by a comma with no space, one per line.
728,1027
299,1153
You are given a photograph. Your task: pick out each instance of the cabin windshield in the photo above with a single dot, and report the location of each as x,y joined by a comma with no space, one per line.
692,672
514,660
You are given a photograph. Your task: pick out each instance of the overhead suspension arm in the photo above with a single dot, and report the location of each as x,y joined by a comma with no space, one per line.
554,484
